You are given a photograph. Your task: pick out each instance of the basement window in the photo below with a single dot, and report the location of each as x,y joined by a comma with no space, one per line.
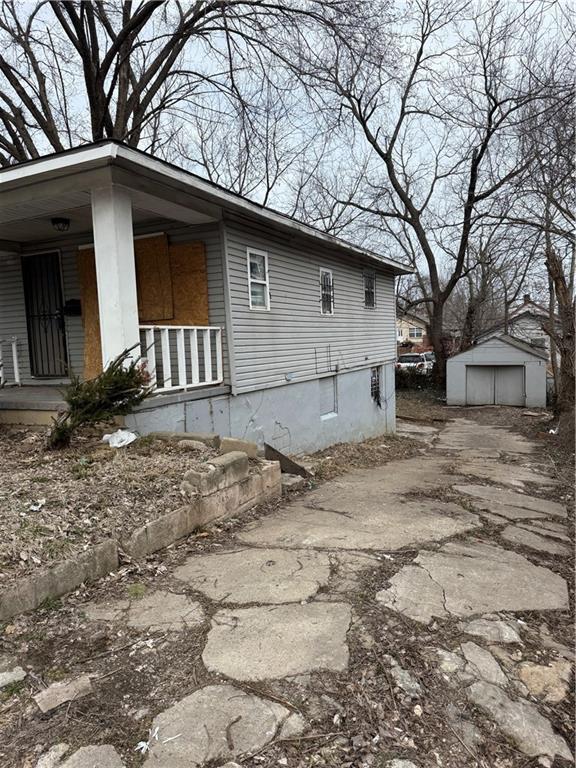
369,290
326,292
258,282
376,385
328,397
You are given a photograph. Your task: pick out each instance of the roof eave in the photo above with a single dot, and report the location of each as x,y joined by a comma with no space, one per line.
108,153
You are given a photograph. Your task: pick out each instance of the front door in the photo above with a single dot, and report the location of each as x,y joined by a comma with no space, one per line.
44,315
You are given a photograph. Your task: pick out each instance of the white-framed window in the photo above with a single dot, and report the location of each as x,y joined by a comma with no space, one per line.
415,333
326,292
369,290
258,280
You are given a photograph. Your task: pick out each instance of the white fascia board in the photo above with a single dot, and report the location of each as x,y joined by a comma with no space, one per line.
52,166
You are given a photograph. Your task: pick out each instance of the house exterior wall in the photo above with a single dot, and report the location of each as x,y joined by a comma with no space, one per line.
288,417
495,353
403,327
13,309
524,328
293,341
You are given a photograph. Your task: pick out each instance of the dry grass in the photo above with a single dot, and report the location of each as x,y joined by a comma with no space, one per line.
55,503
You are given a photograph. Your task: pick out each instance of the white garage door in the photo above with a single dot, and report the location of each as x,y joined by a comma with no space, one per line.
495,385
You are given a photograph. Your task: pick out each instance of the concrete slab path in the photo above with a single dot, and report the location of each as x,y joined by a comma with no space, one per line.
327,591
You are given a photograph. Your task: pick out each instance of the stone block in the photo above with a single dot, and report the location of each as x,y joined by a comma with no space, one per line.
229,444
32,590
220,473
206,438
292,482
61,692
271,477
158,533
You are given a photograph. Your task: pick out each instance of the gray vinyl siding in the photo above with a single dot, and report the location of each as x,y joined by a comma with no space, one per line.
293,341
13,312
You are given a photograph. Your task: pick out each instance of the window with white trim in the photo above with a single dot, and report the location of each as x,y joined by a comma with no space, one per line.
258,282
326,292
415,333
370,290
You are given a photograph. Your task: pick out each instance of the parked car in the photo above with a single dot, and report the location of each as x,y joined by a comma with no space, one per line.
414,362
430,357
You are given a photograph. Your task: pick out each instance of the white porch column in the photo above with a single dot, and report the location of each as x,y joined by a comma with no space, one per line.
115,271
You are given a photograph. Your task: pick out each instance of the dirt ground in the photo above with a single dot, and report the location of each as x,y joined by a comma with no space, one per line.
54,503
358,719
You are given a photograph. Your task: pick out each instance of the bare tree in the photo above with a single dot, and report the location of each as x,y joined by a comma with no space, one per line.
439,115
72,72
544,202
499,268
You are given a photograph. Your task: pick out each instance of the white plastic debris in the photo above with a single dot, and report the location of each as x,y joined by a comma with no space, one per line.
37,506
120,438
553,431
144,746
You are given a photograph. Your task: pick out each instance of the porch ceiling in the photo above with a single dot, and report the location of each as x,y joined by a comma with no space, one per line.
29,221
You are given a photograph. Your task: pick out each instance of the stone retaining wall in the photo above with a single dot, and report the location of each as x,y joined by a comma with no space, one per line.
225,486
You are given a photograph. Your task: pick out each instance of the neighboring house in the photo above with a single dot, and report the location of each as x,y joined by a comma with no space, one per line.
252,324
410,329
499,371
525,322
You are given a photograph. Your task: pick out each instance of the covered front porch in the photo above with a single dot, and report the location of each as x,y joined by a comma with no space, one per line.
96,259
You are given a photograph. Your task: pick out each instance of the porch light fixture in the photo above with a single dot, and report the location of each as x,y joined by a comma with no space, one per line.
61,224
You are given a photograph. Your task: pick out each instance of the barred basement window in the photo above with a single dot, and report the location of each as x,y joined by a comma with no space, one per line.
326,292
375,386
369,290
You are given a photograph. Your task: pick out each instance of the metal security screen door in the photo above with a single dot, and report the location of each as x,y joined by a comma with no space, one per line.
44,315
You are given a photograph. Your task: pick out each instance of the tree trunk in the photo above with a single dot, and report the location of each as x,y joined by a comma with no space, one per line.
565,338
553,346
435,332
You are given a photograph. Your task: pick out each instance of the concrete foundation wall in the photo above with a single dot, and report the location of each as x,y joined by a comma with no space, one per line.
292,418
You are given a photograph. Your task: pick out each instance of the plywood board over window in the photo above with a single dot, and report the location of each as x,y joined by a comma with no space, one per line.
172,285
154,279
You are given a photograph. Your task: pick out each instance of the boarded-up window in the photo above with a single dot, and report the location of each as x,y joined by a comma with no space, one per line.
154,279
172,286
328,396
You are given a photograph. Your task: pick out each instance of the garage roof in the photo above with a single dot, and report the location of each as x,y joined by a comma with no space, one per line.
513,342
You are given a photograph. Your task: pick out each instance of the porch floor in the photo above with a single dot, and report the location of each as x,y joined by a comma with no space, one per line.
41,397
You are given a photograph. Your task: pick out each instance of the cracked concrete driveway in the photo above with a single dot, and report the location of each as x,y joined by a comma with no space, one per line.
415,613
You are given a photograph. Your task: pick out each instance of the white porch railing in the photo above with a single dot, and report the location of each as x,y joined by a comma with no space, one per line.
13,343
182,357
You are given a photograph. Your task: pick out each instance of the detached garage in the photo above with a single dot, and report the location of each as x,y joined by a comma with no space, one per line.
500,371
